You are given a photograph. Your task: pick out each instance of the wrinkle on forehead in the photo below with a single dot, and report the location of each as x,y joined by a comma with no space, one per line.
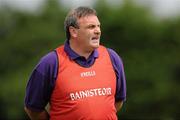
91,19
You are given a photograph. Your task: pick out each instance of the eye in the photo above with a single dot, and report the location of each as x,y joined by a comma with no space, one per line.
91,26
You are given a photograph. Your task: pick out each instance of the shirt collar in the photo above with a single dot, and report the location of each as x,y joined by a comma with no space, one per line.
73,55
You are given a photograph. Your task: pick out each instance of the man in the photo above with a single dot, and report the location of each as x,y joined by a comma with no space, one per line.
79,80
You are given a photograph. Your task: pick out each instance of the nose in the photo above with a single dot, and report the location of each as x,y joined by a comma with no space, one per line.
97,30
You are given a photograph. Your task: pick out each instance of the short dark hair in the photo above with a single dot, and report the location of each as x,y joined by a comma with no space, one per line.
74,15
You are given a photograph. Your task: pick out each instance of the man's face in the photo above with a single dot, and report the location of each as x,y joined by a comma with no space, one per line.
89,32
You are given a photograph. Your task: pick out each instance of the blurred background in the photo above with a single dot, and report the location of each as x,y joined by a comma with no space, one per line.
145,33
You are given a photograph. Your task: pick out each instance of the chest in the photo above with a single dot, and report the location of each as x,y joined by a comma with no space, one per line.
74,80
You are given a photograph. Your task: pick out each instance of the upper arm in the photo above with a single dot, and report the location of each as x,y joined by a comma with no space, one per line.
120,76
37,115
41,83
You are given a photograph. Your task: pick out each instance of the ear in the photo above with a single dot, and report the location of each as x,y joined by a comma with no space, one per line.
73,32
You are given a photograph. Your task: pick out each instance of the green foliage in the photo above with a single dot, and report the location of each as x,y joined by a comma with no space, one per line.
149,49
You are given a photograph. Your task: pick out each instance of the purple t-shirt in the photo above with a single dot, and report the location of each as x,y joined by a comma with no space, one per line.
42,80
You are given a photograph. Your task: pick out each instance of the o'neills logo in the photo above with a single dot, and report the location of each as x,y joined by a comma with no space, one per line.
90,93
88,73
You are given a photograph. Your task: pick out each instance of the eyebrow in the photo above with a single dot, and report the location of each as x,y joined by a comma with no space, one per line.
93,24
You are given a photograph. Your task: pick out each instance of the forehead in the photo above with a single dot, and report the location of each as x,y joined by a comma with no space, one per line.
92,19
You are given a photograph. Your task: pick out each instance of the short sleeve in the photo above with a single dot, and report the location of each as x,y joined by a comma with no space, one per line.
120,75
41,82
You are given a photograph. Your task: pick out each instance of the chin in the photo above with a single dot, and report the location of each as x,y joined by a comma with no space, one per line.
95,44
93,47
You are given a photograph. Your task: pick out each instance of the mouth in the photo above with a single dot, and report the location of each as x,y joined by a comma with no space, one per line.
95,41
95,38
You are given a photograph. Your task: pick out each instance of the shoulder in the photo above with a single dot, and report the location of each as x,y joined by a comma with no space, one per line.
49,58
112,52
116,60
114,56
48,62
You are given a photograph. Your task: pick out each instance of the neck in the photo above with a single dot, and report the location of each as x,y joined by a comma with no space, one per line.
80,51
